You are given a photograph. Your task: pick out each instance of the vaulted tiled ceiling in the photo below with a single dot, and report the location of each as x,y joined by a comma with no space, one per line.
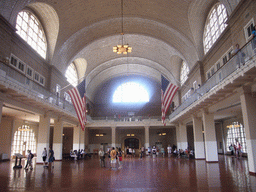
162,33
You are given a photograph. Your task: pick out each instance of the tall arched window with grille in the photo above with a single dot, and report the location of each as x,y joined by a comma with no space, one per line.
30,29
183,73
236,133
71,75
23,140
215,25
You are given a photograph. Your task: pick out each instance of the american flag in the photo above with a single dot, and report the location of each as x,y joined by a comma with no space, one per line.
78,99
168,91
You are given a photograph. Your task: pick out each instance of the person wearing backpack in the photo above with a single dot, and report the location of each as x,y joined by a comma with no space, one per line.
29,160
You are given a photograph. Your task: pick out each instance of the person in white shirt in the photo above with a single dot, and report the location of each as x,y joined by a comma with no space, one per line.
44,156
133,152
169,150
102,158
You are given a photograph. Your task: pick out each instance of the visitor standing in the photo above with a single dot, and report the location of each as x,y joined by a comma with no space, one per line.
133,152
154,152
142,151
29,160
113,157
120,158
51,157
102,158
44,156
169,150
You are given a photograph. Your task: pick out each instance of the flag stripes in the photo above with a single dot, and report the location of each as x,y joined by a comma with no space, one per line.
167,94
78,99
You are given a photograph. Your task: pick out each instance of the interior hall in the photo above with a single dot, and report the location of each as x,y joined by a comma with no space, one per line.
120,55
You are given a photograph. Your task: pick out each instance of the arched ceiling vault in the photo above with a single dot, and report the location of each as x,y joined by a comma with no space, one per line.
141,34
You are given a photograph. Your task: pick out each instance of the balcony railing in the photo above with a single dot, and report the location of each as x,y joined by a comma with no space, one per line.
21,82
245,54
128,119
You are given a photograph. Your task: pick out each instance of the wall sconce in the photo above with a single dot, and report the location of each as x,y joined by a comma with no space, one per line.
161,134
132,135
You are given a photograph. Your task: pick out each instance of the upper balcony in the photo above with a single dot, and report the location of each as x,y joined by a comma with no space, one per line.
20,91
240,70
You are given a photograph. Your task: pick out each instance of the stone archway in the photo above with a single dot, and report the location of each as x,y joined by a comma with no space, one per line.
132,142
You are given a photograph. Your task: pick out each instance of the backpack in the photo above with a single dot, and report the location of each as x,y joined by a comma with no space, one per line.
32,155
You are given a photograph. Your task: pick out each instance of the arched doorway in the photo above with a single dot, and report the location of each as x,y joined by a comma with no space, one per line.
132,143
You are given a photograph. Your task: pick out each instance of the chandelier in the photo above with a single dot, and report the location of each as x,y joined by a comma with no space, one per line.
122,49
24,126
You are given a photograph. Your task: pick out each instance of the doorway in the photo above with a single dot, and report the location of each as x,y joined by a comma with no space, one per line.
132,143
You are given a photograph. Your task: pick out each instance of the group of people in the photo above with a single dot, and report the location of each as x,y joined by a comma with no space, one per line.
78,154
50,157
46,162
130,152
115,156
236,149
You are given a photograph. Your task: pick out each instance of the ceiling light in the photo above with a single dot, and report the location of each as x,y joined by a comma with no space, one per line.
122,49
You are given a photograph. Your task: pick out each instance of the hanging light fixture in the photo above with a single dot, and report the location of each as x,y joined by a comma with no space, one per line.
25,126
122,49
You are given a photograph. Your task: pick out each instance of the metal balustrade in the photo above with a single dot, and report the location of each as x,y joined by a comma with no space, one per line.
12,78
127,118
246,53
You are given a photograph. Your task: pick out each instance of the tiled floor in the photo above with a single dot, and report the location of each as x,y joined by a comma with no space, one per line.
148,174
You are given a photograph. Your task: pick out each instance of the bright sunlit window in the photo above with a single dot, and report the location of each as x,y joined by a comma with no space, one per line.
31,30
130,92
236,133
215,25
23,141
71,75
183,73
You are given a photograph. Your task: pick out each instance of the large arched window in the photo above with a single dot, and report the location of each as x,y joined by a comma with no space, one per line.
236,133
215,25
31,30
71,75
23,140
183,72
130,92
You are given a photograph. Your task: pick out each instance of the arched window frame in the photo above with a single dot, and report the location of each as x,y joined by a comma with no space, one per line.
215,25
72,76
184,71
236,132
31,30
24,135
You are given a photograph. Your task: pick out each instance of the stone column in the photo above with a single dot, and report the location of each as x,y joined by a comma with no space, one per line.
211,152
86,139
43,136
57,138
76,137
81,144
7,131
198,138
146,137
182,139
248,104
113,136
